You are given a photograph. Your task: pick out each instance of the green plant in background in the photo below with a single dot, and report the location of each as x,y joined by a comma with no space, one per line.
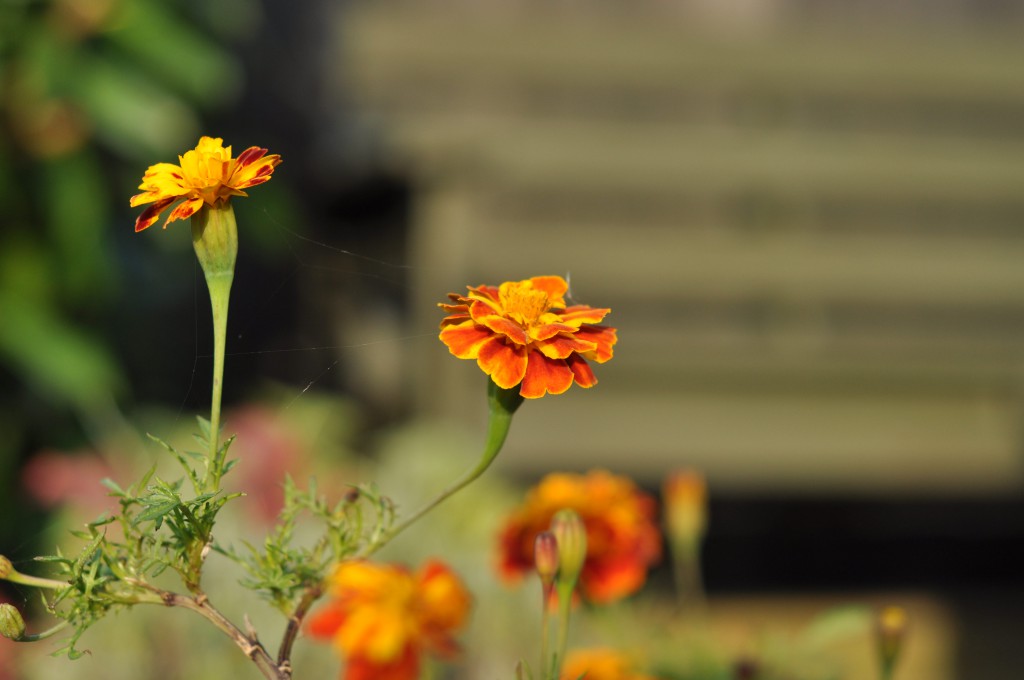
86,87
522,334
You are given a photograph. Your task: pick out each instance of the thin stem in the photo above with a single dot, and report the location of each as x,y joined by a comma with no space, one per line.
503,404
688,579
200,604
49,632
220,292
564,611
294,623
545,634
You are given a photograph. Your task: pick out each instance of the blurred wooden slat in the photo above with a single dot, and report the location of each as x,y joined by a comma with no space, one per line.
812,240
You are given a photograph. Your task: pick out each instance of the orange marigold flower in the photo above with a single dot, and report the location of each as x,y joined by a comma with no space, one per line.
206,174
622,534
522,333
600,664
383,618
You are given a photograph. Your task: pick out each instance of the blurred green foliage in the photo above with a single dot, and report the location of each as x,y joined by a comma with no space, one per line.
91,93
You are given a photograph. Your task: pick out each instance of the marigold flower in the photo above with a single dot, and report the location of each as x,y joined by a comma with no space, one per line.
622,535
207,174
522,333
383,617
600,664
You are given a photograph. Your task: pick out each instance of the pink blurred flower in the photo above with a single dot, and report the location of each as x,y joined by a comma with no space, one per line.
267,451
55,479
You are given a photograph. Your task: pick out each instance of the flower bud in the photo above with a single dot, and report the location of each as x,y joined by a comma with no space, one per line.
545,557
215,240
6,568
12,626
891,628
571,536
685,494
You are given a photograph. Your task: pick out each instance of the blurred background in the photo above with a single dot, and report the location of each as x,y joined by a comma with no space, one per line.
807,218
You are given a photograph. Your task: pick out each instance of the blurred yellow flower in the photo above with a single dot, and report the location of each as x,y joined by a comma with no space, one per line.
207,174
382,617
522,333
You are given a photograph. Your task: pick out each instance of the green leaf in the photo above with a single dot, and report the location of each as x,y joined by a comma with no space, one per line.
115,490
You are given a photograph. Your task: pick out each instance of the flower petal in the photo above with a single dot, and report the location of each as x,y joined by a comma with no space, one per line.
465,339
554,286
185,210
604,337
502,326
151,214
578,314
505,363
326,622
545,375
581,371
562,346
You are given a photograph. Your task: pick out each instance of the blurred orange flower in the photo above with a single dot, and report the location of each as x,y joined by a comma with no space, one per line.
622,535
207,174
383,617
522,333
600,664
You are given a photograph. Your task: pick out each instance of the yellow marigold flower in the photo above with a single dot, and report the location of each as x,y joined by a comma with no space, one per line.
522,333
383,617
622,534
206,174
600,664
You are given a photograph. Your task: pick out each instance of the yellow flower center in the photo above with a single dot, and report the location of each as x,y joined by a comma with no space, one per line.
523,303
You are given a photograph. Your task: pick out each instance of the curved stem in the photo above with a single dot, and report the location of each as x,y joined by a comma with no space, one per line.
503,404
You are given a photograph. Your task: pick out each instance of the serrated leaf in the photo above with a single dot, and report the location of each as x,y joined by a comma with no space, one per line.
155,512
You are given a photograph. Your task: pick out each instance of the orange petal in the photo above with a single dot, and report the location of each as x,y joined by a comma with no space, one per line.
610,580
326,622
549,330
152,213
465,339
554,286
561,346
505,363
405,667
510,329
604,337
578,314
545,375
581,371
185,210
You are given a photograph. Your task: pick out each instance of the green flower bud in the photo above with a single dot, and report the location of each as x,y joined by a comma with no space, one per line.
6,568
571,534
12,626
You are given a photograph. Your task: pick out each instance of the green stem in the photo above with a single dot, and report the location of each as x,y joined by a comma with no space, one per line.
565,591
215,240
688,578
503,404
220,292
546,662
